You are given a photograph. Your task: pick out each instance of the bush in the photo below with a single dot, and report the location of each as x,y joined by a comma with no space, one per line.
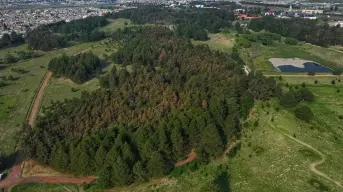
311,73
337,72
291,41
303,84
333,82
304,113
316,82
340,117
307,95
288,100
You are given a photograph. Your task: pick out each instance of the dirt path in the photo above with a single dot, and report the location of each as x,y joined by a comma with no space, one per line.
38,98
190,158
312,165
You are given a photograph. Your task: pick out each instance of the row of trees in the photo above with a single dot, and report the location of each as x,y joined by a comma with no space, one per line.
78,68
13,39
21,55
141,122
311,31
57,35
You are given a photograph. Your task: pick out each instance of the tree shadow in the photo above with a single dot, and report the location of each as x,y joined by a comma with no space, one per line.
223,181
10,161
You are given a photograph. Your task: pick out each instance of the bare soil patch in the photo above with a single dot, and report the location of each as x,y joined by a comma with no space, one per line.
191,156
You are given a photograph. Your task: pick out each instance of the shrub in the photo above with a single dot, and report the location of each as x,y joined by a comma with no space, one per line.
340,117
337,72
303,84
333,82
304,113
311,73
291,41
338,91
307,95
288,100
316,82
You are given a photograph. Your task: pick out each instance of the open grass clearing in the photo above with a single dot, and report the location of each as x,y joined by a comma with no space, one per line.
219,41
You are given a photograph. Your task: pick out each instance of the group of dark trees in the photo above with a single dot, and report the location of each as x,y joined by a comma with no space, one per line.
21,55
9,40
191,23
311,31
78,68
56,35
292,98
178,97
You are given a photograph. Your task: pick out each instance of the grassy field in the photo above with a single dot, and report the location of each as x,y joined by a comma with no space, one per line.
17,95
220,42
44,187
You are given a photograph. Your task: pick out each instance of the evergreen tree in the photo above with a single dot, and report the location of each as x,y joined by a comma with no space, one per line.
139,172
121,174
211,141
105,178
99,158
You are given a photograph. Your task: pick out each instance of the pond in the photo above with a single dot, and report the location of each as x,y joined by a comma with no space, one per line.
315,67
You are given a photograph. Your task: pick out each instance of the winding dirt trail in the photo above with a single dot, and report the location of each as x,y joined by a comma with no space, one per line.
38,99
312,165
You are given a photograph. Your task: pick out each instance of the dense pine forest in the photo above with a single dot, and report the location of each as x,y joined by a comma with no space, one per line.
78,68
191,23
57,35
178,97
312,31
10,40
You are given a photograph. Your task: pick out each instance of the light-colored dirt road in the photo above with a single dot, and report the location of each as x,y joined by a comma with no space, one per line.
38,99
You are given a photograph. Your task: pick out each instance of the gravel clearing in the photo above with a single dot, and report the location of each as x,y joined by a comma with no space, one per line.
296,62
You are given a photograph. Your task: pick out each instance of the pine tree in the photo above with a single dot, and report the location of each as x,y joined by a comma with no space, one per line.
60,159
211,141
99,158
178,141
105,177
140,172
112,156
121,174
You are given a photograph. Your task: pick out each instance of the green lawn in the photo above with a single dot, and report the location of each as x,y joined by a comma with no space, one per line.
117,24
219,41
45,187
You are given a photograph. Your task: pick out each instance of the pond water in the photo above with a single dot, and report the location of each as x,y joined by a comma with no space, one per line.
315,67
